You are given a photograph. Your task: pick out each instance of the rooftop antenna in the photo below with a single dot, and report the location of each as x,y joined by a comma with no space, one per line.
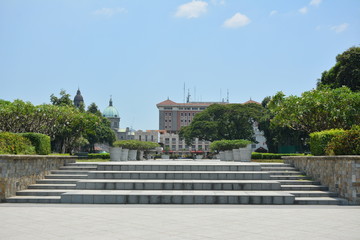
184,93
194,94
227,96
188,96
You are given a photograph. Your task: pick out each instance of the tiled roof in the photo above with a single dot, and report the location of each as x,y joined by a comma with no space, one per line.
172,103
251,101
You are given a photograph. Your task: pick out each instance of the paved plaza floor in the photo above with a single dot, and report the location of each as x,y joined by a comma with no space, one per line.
180,222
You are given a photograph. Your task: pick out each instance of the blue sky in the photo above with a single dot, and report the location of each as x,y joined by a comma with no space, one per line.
142,52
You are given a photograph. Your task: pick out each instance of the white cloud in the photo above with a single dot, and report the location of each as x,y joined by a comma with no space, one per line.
315,2
109,12
236,21
192,9
218,2
303,10
274,12
340,28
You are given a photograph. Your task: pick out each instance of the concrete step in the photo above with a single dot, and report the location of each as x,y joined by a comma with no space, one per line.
79,168
320,201
42,192
274,164
66,176
57,181
285,173
278,169
83,164
313,194
298,182
178,166
177,197
178,185
304,188
206,175
34,199
52,186
70,172
289,177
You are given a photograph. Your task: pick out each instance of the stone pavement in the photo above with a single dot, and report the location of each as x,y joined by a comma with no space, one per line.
170,222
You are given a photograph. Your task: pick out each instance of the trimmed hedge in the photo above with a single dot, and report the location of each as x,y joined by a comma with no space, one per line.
12,143
98,155
256,155
320,140
135,145
224,145
41,142
347,143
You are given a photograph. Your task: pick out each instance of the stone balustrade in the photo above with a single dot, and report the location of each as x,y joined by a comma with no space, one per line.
340,173
17,172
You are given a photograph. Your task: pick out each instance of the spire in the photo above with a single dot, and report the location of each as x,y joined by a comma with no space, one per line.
110,102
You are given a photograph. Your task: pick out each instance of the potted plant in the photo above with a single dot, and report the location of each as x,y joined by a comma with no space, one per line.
226,149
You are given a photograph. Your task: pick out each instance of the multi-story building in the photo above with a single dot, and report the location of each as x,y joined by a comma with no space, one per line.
173,116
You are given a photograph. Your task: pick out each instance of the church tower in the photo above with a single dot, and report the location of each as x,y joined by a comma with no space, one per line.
78,99
112,114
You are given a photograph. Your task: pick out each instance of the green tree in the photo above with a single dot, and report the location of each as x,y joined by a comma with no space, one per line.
63,100
346,71
276,135
316,110
93,108
218,122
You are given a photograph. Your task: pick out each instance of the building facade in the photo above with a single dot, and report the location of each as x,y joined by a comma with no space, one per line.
173,116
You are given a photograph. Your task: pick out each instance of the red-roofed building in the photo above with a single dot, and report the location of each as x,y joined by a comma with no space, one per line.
173,116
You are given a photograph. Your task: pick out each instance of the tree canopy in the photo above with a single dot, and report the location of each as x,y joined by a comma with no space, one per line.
218,122
66,125
316,110
346,71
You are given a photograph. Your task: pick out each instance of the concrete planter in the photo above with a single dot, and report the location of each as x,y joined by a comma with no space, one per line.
115,154
165,156
140,155
245,154
124,154
222,156
236,155
228,155
132,155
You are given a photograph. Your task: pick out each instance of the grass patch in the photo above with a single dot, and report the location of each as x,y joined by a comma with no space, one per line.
268,160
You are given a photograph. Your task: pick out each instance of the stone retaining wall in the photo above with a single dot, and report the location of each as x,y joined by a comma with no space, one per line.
17,172
340,173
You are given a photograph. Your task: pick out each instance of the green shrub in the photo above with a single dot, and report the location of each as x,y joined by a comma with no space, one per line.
12,143
224,145
41,142
99,155
320,140
347,143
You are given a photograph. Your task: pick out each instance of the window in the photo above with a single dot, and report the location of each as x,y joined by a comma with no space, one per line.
182,114
173,147
173,139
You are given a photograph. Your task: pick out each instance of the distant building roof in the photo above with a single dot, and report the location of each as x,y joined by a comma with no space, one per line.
168,102
251,101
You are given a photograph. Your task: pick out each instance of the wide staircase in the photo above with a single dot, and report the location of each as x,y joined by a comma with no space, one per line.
177,182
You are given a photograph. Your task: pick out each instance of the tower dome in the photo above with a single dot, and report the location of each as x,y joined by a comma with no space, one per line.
111,111
78,99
